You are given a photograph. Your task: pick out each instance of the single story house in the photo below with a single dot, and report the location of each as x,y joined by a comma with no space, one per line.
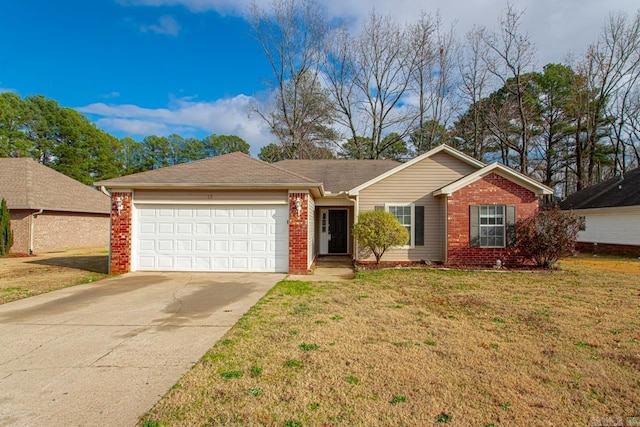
237,213
49,210
611,213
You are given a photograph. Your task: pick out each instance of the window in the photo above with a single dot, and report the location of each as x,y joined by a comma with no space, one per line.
492,226
404,214
583,223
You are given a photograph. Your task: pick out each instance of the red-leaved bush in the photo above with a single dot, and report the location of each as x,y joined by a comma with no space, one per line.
548,236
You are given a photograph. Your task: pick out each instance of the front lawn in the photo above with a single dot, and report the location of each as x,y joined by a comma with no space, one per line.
426,348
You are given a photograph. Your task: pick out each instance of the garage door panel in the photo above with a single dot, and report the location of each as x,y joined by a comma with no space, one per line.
165,246
209,238
182,228
165,262
203,228
203,264
240,230
146,262
165,228
221,229
203,245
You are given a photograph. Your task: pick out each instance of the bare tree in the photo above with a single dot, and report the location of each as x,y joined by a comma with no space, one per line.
609,72
291,34
369,76
511,56
475,81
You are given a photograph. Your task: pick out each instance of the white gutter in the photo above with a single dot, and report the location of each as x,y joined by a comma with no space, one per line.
104,190
33,218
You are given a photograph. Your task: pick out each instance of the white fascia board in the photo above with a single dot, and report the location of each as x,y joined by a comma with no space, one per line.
452,151
502,170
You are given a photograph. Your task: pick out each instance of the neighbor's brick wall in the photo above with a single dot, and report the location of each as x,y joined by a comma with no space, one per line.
491,190
298,235
21,228
121,234
63,230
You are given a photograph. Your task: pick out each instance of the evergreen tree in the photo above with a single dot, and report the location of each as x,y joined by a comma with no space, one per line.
6,235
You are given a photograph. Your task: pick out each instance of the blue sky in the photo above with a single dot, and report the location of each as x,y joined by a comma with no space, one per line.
141,67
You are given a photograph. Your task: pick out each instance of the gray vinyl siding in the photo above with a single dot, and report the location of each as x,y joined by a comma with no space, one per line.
416,184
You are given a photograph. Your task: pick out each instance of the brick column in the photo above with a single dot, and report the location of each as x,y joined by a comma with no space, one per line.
298,234
120,250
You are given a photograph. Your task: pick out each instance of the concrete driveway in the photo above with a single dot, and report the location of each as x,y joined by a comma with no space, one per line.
104,353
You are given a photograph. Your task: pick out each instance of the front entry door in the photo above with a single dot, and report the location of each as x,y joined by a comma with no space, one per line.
338,231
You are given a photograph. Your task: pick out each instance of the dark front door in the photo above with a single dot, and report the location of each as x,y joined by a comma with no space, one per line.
338,232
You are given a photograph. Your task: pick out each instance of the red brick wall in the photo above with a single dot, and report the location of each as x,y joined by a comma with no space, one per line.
20,226
490,190
120,234
298,235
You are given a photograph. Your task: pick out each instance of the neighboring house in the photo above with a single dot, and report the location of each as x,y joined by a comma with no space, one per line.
237,213
611,213
50,211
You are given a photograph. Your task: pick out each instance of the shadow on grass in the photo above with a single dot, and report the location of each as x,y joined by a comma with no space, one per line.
94,264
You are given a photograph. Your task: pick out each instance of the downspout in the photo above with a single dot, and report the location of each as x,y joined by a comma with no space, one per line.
106,193
33,223
446,229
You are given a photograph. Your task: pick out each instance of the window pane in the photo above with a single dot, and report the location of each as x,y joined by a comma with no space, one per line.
491,226
403,215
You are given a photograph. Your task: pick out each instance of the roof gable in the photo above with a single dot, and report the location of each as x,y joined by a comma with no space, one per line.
439,149
615,192
26,184
337,174
502,170
229,170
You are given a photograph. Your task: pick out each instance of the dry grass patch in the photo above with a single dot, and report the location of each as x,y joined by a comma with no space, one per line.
424,348
22,277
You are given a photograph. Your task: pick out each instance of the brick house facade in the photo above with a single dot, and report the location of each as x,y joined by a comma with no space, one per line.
492,189
50,211
237,213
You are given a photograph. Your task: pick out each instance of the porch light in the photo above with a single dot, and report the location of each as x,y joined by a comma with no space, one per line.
298,204
119,205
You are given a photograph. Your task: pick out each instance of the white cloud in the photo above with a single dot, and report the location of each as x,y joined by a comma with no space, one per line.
185,116
166,25
557,27
110,95
7,89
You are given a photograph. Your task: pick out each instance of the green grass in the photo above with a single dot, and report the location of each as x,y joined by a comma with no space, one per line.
465,348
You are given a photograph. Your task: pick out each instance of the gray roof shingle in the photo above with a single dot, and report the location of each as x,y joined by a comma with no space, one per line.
339,175
615,192
26,184
233,169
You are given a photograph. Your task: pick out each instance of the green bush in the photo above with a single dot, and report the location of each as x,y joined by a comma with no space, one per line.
548,236
378,231
6,235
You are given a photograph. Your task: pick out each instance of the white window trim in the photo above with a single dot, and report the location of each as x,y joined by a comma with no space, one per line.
413,223
503,225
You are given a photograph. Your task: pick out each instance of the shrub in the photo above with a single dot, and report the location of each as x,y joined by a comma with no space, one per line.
548,236
378,231
6,235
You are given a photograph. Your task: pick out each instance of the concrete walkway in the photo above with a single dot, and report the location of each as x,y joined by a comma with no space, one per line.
329,269
104,353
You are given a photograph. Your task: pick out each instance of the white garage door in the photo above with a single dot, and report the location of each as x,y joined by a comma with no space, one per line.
208,238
